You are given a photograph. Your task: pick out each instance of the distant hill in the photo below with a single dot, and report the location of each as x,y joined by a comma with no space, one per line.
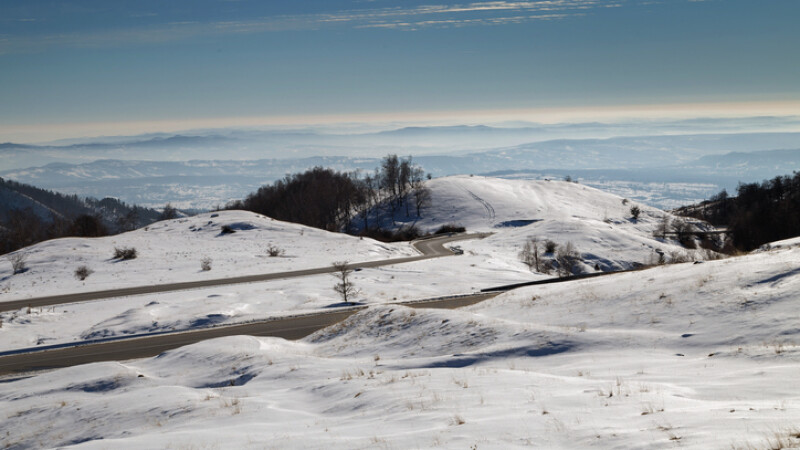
29,214
598,224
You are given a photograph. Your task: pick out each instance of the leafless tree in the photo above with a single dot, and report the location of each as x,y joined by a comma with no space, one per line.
530,254
567,258
422,198
345,287
18,262
663,227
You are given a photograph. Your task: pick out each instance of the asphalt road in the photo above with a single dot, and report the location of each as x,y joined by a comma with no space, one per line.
124,349
430,248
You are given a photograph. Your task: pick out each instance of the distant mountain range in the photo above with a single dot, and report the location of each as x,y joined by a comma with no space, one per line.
208,169
210,183
250,144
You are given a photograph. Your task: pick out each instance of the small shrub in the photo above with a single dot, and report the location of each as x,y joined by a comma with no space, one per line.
226,229
83,272
18,262
635,212
125,253
274,251
205,264
450,228
550,246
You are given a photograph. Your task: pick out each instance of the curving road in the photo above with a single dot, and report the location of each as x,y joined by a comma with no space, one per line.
288,327
429,248
142,347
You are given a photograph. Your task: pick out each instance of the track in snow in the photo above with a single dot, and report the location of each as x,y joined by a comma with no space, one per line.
486,205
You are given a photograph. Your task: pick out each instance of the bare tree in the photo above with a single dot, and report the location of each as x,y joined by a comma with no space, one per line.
567,258
530,254
345,287
663,227
415,177
390,171
405,181
422,198
18,262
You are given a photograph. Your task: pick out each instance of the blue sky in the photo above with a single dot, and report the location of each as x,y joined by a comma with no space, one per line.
107,63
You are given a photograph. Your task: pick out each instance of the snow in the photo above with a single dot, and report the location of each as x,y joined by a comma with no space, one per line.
598,224
172,250
690,355
695,355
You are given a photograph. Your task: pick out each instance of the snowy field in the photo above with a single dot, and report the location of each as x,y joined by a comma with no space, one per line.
685,356
598,224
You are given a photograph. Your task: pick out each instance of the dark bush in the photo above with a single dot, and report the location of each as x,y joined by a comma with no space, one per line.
274,251
226,229
83,272
550,246
125,253
408,233
450,228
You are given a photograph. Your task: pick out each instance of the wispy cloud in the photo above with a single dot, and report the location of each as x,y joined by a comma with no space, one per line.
446,15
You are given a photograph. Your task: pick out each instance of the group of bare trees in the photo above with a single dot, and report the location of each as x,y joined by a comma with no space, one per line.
394,188
547,256
335,201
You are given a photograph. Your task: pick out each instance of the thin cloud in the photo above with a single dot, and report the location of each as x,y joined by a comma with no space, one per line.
490,13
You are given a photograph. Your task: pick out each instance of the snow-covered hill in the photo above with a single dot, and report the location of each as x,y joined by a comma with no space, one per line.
172,251
691,356
598,224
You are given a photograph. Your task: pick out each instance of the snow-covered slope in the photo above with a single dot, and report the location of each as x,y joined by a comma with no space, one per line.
172,251
598,224
691,356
